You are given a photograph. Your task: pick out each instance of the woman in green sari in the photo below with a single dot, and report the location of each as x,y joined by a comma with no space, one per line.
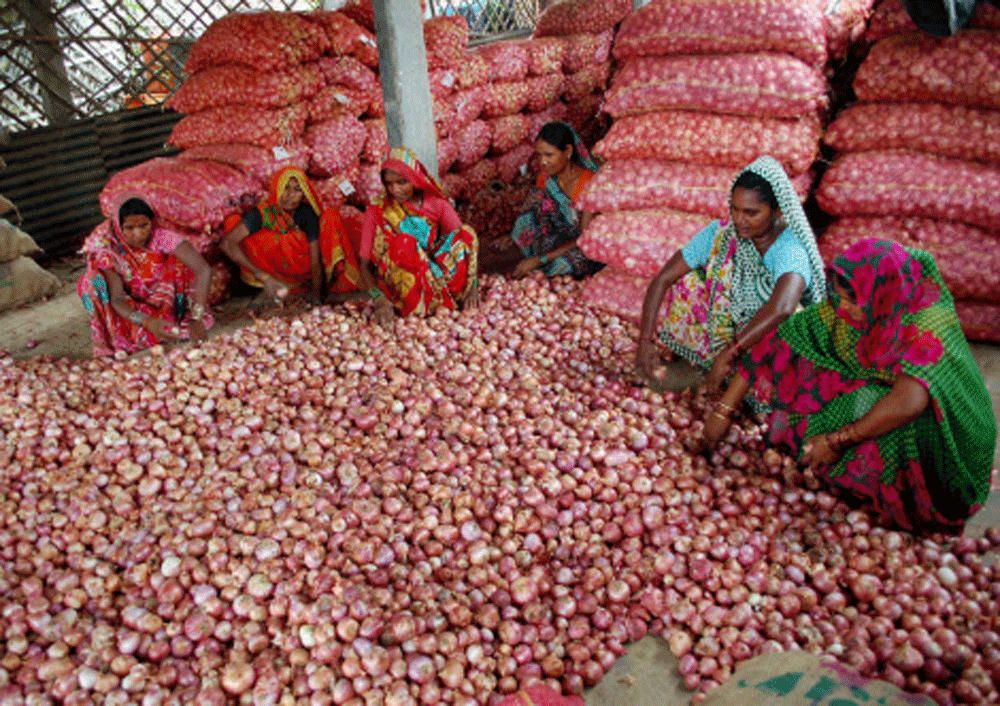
876,390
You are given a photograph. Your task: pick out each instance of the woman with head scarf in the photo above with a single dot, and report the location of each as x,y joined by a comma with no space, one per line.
424,257
145,284
877,392
289,244
547,230
735,280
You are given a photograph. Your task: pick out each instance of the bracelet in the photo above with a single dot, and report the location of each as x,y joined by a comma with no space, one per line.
726,407
375,292
543,260
137,317
197,312
719,414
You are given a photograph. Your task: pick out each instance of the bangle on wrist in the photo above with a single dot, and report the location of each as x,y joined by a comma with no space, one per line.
197,312
543,259
137,317
375,292
723,406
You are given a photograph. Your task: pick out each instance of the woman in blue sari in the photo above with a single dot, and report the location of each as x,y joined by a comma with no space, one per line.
547,229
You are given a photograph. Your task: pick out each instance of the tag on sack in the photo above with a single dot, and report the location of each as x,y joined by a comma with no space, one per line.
340,98
280,152
370,41
346,187
448,79
524,170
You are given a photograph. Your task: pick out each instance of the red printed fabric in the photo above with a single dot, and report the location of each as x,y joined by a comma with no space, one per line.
980,320
239,84
639,242
968,257
710,138
957,70
724,27
257,163
633,184
619,293
335,144
890,17
946,130
508,61
266,41
581,16
764,84
240,123
194,194
903,183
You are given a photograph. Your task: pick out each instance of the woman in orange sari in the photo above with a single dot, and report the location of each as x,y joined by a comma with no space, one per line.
425,257
288,244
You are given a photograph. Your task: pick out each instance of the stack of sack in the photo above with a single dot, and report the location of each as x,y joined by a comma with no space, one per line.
919,158
704,87
22,280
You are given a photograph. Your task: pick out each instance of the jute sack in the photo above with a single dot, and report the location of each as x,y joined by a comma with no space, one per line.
798,678
23,281
6,206
14,242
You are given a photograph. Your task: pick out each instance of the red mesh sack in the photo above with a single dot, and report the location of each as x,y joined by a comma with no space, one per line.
348,71
238,84
377,107
619,293
468,105
545,55
845,22
443,82
337,189
473,142
336,101
344,35
478,175
632,184
513,165
362,12
764,84
472,71
239,123
335,144
958,70
578,52
582,116
709,138
445,121
192,193
268,41
257,163
376,141
446,38
950,131
581,16
447,153
639,242
507,132
501,99
369,180
957,248
536,121
724,27
583,83
902,183
453,185
543,91
980,321
890,17
508,61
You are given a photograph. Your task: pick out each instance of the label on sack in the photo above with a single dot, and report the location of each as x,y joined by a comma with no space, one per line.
280,152
346,187
369,41
524,170
448,80
340,98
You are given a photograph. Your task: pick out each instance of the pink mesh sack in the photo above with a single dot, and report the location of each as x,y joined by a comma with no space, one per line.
446,38
335,101
581,16
504,98
239,123
258,163
473,142
335,144
508,61
507,133
238,84
543,91
545,55
468,104
980,320
514,165
348,71
904,183
267,41
584,82
639,242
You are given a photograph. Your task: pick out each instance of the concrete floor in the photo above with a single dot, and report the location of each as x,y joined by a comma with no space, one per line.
645,676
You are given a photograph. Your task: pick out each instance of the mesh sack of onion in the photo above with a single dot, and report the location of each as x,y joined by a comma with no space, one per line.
335,144
639,242
580,17
267,41
249,125
238,84
258,163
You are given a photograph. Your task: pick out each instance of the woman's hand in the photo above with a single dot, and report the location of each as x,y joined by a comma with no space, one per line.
162,329
820,451
273,289
197,330
716,426
526,266
471,300
721,367
384,314
647,359
502,244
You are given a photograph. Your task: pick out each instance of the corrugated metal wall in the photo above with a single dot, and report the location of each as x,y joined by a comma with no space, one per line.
54,175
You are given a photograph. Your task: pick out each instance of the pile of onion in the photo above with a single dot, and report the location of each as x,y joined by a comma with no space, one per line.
316,510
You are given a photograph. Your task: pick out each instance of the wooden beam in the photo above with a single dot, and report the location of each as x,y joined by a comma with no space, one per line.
49,63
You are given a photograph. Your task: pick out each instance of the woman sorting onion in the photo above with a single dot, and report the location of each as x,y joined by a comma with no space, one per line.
415,255
547,230
736,280
288,244
144,284
877,392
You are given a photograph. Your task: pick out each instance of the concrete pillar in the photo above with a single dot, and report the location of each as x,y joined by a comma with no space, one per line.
402,58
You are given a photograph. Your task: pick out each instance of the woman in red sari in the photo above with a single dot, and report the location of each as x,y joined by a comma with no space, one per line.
144,284
288,244
425,257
